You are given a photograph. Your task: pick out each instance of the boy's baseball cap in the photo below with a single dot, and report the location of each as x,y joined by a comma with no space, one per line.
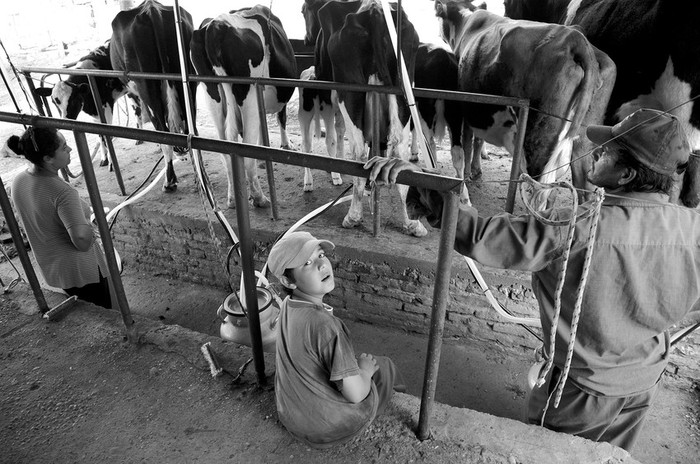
293,250
655,138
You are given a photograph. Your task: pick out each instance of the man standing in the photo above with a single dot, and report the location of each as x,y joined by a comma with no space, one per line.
644,275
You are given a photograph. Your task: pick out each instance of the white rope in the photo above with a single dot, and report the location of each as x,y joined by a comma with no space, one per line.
536,193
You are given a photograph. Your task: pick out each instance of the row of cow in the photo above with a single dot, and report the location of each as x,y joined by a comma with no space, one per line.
567,80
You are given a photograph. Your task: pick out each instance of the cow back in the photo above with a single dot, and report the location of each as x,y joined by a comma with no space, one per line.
144,39
361,50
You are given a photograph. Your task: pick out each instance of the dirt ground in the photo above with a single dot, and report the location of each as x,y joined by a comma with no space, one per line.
72,396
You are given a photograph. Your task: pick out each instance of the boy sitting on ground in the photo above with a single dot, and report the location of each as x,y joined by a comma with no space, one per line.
324,395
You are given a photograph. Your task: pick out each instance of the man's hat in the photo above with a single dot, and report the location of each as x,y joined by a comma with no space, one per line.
655,139
293,250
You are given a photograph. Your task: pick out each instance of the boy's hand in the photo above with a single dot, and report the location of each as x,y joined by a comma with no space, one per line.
367,363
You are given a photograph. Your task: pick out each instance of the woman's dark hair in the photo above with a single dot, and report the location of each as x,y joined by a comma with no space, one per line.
646,179
35,143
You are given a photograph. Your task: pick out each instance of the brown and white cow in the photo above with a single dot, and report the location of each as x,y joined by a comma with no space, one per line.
73,95
655,45
566,80
249,42
144,40
355,43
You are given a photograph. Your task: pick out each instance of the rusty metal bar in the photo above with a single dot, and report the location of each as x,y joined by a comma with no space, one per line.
515,168
327,85
21,251
107,140
437,319
320,162
376,151
32,89
115,280
248,264
265,137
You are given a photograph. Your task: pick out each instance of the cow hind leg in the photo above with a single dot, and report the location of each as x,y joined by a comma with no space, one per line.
477,155
332,147
306,125
282,120
410,226
170,182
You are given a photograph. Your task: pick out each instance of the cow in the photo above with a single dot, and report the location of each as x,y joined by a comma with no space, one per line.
655,45
546,11
73,95
436,68
249,42
144,40
566,80
355,43
312,109
317,104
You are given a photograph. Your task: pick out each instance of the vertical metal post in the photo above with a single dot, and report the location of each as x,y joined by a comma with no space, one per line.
107,139
265,137
9,90
376,151
517,157
437,319
21,251
32,90
115,280
247,265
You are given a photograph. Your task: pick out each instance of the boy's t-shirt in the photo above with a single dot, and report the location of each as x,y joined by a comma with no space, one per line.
313,353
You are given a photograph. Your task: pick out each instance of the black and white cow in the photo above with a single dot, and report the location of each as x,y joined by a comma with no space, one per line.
73,95
546,11
436,68
249,42
657,60
313,109
655,45
355,43
318,104
144,39
567,81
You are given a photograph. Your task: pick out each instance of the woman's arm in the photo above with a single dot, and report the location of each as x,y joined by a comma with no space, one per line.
357,387
82,236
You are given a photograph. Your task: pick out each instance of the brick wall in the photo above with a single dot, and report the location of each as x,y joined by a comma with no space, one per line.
392,291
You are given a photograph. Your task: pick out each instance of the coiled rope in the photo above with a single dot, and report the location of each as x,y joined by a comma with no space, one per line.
534,193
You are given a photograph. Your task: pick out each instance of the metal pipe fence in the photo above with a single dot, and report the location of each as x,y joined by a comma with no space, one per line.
238,151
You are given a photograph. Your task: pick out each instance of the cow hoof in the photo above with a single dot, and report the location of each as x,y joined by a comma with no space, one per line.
138,142
413,158
337,180
485,155
349,223
415,228
308,187
170,188
286,147
103,163
476,175
262,202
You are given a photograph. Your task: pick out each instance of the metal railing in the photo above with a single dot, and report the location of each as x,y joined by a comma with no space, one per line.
238,152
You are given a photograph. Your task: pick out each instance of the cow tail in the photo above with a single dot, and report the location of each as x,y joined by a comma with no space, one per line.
584,56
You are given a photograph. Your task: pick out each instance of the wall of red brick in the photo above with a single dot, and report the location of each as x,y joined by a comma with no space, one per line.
392,291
